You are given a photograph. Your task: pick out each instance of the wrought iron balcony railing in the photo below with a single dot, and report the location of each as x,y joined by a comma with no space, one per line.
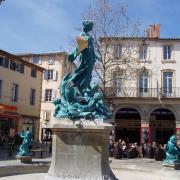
143,92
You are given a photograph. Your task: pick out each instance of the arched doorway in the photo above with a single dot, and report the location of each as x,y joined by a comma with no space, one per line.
162,125
127,125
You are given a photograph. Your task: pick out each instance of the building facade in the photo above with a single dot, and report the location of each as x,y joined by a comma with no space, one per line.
20,95
56,66
146,108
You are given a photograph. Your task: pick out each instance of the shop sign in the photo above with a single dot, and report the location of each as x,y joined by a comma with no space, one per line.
162,124
128,123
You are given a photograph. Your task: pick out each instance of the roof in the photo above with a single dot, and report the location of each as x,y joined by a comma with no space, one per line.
41,54
140,38
18,59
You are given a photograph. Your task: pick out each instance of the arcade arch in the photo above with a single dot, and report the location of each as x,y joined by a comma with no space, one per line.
162,124
127,124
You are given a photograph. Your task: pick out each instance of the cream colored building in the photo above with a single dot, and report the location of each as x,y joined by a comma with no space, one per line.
56,66
146,107
20,95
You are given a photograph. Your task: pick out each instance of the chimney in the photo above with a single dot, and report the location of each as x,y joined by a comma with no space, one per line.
153,31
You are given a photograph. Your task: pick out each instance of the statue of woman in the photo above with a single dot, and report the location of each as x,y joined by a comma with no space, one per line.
78,98
87,58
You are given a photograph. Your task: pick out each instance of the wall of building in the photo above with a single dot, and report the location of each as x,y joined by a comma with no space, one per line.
27,115
61,66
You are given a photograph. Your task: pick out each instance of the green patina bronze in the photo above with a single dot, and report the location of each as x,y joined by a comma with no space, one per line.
78,98
172,151
24,147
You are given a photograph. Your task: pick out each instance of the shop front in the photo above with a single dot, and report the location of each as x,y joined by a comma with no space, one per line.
162,125
128,125
9,120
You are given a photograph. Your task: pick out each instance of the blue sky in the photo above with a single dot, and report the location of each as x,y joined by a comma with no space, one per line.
39,26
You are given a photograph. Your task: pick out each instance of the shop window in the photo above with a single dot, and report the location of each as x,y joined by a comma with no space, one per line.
14,92
32,96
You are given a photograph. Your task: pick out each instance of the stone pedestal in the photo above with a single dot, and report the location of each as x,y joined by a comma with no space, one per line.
79,150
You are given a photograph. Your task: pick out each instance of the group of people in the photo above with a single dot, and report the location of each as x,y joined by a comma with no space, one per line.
126,149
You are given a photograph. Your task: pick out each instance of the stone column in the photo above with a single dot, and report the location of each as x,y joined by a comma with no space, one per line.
79,150
145,132
178,133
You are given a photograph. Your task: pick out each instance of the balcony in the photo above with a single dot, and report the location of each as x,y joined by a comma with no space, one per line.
144,93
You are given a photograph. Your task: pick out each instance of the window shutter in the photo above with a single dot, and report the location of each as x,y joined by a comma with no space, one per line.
43,95
40,61
46,74
53,94
54,75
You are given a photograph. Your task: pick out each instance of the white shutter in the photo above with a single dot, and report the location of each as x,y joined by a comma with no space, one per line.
53,94
54,75
40,61
43,95
46,74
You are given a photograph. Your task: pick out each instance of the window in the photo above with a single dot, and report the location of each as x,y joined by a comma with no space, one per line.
14,92
117,51
1,88
50,74
167,52
167,82
33,73
51,60
117,84
1,61
143,53
36,60
143,82
12,65
16,66
32,96
47,115
48,95
22,68
6,63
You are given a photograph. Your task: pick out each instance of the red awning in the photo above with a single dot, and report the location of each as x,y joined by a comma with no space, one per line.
9,114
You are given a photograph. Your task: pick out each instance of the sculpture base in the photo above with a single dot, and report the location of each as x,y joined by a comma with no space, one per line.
80,150
175,165
24,159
